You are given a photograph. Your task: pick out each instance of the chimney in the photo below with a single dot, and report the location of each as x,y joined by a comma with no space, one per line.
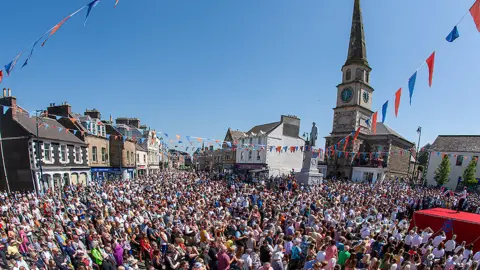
63,110
134,122
93,114
9,101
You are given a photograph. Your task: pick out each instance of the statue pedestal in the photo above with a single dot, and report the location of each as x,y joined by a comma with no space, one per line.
309,175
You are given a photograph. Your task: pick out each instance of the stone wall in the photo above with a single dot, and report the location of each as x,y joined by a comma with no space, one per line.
398,165
99,143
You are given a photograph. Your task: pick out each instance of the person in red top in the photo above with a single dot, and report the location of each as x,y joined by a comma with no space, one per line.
331,251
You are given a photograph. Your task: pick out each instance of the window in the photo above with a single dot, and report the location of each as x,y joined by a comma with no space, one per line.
251,140
258,155
104,154
250,155
241,155
63,153
459,160
77,153
138,157
358,74
367,76
128,157
47,155
99,130
259,140
348,75
132,157
94,154
144,158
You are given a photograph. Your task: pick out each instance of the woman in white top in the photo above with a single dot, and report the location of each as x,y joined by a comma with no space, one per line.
439,251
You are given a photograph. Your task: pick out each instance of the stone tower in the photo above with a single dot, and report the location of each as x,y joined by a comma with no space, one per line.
354,93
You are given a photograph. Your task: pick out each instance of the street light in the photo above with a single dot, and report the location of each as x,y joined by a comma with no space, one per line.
419,132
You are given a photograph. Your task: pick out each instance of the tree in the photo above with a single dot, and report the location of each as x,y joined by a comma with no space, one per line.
469,179
423,159
442,174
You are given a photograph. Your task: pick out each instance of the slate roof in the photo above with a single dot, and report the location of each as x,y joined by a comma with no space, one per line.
30,125
265,128
456,143
236,134
139,147
383,129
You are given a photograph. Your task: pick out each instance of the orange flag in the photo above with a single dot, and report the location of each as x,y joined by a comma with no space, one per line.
374,123
398,94
199,139
356,134
178,137
55,28
475,12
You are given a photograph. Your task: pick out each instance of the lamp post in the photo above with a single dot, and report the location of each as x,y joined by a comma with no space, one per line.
419,132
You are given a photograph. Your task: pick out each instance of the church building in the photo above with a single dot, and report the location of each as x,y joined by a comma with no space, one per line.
373,156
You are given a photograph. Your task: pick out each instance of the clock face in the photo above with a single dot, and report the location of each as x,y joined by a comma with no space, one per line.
347,94
366,97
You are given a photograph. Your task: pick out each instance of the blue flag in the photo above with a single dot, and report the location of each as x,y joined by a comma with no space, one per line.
384,111
9,67
5,109
60,129
229,144
90,6
166,134
454,34
31,52
411,85
188,138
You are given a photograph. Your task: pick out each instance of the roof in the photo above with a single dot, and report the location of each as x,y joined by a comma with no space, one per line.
236,134
456,143
357,48
265,128
46,132
140,147
383,129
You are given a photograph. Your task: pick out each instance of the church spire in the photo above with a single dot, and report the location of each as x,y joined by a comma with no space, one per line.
357,49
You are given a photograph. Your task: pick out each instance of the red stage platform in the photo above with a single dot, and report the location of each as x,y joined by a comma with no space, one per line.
465,225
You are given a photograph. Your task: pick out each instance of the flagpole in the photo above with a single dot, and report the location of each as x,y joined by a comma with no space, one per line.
38,151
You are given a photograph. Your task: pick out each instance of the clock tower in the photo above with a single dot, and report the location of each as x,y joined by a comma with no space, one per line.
354,93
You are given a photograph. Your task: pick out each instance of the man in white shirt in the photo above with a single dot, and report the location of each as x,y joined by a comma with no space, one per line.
247,260
417,240
450,245
426,234
439,239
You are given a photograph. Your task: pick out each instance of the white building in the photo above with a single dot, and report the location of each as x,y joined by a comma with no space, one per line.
460,149
141,159
257,149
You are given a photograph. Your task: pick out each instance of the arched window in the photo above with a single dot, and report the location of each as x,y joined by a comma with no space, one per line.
358,74
348,75
367,76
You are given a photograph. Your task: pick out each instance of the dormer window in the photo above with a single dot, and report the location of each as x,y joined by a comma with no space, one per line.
348,75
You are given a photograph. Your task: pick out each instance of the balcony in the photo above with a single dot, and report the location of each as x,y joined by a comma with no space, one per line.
367,162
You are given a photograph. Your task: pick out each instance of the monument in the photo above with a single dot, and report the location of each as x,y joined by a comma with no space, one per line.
309,175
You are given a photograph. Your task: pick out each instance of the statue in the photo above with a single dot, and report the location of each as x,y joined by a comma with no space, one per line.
313,135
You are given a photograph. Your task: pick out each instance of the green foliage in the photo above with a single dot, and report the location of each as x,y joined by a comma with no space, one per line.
442,174
469,174
423,159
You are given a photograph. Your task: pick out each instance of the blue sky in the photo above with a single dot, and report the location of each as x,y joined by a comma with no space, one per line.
197,67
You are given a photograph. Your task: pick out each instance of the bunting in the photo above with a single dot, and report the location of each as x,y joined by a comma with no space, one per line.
356,135
384,111
89,9
411,85
31,52
374,123
1,75
346,143
398,94
475,12
454,34
55,29
9,67
178,137
116,3
431,64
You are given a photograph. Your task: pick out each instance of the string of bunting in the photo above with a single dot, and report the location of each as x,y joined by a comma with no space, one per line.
46,36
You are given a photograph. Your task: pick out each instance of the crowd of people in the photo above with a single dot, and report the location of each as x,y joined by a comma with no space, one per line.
184,220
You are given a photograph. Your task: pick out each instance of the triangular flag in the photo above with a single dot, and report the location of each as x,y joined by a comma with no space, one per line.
431,64
60,129
475,12
116,3
199,139
178,137
346,143
31,52
229,144
454,34
411,85
75,131
384,111
55,29
398,94
90,6
188,138
356,134
9,67
5,109
374,123
1,75
166,134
